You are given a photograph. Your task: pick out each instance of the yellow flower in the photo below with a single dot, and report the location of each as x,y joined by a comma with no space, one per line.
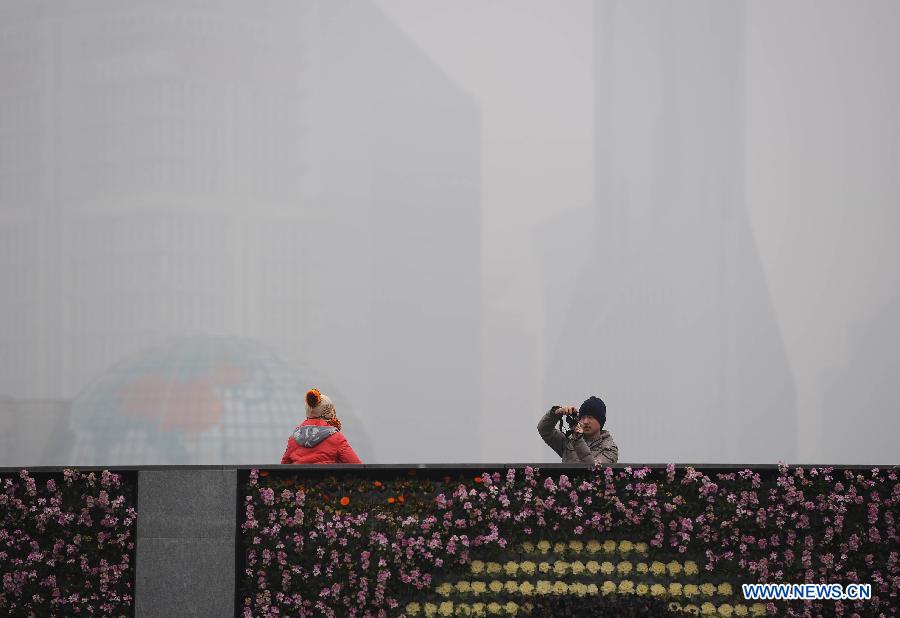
578,589
444,589
725,590
592,589
626,586
544,567
478,609
690,590
477,566
430,609
576,545
577,567
511,608
526,588
559,547
493,568
657,568
625,547
528,567
495,586
691,609
560,588
675,607
707,589
528,547
494,608
609,546
657,590
463,586
593,546
560,567
543,587
641,548
708,609
462,609
725,610
511,587
641,567
593,567
511,568
642,589
674,568
607,568
623,568
690,567
479,588
445,609
740,610
675,589
413,609
544,546
758,609
608,587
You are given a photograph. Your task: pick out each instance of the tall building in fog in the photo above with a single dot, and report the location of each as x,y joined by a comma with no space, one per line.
685,327
400,180
156,164
184,161
30,228
297,174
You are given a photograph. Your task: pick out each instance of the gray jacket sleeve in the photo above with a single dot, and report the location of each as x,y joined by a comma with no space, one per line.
550,434
583,451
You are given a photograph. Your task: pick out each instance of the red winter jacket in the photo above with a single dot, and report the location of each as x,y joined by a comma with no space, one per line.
317,442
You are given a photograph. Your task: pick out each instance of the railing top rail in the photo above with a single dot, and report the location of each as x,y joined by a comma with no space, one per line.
443,466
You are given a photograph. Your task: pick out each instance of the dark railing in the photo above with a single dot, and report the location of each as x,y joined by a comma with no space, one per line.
190,551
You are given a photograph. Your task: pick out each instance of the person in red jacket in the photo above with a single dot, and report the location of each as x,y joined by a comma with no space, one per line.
318,440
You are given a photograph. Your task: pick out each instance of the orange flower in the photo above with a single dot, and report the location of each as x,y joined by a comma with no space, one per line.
401,499
377,483
264,473
345,501
477,479
391,500
288,482
447,479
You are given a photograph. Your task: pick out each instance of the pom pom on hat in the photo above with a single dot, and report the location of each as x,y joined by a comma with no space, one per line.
321,407
317,404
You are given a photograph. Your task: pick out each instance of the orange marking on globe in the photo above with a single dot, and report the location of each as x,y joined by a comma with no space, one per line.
192,405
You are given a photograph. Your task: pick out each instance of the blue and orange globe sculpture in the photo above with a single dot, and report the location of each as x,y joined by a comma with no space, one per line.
197,400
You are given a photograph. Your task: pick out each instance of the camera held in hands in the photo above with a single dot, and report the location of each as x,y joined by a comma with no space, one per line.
570,420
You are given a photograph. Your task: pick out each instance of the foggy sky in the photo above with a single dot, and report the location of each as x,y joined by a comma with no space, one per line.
455,215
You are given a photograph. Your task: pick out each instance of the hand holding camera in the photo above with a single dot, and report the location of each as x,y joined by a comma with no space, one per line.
577,430
569,416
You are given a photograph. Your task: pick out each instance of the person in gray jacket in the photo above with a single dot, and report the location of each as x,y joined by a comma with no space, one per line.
587,442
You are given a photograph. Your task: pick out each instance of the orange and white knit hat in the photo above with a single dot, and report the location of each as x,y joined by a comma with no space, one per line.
321,407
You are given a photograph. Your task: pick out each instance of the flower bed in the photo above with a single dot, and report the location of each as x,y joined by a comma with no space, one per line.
67,543
418,545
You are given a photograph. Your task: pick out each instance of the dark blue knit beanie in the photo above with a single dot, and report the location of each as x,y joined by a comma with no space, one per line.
594,406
